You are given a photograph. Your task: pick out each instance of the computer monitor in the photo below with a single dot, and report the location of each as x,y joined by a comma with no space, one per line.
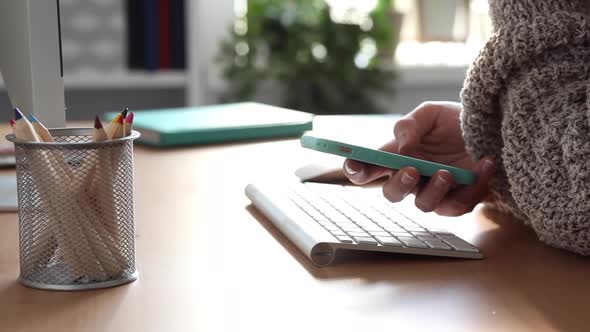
30,58
31,66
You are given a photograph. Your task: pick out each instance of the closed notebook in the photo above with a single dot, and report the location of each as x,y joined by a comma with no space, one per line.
219,123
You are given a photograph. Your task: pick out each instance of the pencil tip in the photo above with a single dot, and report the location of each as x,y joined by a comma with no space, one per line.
124,113
129,118
97,123
120,119
32,118
17,114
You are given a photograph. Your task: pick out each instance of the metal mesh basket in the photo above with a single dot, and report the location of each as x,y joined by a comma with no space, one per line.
76,215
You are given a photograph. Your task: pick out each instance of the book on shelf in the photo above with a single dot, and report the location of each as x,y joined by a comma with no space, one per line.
135,41
150,34
156,34
164,33
177,34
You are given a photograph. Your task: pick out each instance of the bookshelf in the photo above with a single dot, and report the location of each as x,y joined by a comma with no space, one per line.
94,52
124,80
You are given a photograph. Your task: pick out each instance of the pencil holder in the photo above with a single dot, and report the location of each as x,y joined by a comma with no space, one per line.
76,214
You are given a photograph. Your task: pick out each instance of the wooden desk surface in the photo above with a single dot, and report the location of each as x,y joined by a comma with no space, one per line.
208,261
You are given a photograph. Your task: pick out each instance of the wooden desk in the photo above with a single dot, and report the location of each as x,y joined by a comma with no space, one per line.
210,262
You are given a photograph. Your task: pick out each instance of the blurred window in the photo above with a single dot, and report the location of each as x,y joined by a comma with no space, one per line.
441,32
432,33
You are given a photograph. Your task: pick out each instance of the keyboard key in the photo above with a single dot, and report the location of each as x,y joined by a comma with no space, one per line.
359,234
404,222
389,241
459,244
437,244
360,219
386,224
297,200
414,229
365,240
412,242
338,233
324,222
381,233
344,239
374,215
421,234
393,228
352,229
346,223
325,208
351,213
372,228
398,234
338,218
426,237
440,231
316,212
383,220
332,227
400,218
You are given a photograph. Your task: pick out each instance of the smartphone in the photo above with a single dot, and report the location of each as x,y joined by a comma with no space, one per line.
384,159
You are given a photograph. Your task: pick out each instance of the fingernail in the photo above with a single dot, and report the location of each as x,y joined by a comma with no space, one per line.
407,179
439,181
487,165
352,170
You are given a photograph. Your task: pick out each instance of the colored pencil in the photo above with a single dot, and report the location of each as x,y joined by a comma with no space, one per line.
40,129
23,129
81,214
113,263
99,134
110,127
108,164
65,232
45,136
117,128
128,126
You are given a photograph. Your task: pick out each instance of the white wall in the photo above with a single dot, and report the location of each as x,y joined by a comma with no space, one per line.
208,23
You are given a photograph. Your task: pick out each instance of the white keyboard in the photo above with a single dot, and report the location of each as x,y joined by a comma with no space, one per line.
322,219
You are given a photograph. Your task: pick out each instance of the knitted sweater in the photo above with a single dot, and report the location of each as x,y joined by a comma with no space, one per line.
526,102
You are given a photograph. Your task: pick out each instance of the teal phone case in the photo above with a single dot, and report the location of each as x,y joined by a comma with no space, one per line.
384,159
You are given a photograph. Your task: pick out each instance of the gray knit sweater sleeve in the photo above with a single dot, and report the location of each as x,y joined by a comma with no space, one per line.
526,102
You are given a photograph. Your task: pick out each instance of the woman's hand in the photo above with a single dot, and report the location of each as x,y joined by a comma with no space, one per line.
430,132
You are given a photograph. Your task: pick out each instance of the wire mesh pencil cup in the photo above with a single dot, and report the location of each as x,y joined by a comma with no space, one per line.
76,213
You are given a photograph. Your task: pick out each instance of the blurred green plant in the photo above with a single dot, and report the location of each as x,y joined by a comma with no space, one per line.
322,66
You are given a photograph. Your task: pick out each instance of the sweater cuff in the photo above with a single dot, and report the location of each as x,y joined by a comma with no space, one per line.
504,13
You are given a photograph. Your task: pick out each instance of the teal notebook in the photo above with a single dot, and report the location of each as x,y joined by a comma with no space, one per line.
218,123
